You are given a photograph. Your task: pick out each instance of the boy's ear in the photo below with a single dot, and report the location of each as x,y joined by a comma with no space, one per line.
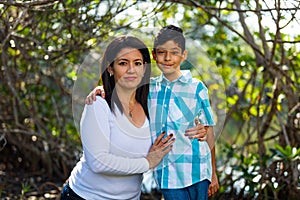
184,55
154,54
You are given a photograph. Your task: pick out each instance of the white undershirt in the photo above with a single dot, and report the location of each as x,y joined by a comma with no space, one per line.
114,153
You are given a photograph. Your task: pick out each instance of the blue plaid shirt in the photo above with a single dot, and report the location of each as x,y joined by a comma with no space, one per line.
173,106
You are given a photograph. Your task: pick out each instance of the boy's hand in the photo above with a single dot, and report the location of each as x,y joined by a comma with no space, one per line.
214,186
199,131
92,96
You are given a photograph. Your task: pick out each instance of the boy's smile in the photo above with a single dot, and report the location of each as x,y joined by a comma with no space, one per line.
168,57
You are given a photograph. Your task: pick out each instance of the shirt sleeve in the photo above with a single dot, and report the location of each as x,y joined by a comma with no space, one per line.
205,113
95,136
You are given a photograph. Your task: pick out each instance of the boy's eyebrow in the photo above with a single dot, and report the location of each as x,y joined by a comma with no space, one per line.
174,48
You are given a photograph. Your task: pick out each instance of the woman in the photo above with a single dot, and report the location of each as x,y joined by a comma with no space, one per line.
115,131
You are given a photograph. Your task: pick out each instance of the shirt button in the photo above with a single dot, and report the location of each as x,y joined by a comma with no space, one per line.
163,125
165,105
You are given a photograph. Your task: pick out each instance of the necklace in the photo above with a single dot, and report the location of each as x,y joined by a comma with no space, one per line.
130,110
130,113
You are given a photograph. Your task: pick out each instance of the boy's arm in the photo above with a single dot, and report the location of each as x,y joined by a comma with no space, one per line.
199,131
92,95
214,186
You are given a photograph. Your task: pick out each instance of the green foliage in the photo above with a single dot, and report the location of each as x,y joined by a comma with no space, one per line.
286,154
249,179
26,187
41,51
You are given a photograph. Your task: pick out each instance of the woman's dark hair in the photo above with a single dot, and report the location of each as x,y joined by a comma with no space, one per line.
168,33
114,47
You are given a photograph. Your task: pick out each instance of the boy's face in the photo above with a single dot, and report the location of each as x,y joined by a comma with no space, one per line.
168,57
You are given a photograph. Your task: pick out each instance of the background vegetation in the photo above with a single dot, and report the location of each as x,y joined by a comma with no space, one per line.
254,44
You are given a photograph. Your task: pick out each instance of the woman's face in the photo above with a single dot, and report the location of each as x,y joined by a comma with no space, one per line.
128,68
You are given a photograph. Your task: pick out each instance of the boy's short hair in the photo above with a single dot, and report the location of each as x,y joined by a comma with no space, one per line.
168,33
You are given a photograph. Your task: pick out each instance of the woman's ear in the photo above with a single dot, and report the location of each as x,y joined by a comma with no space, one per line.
110,70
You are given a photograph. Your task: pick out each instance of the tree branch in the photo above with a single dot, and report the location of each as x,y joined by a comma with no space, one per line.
28,4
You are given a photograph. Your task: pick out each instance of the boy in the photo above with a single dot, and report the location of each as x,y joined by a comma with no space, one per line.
175,99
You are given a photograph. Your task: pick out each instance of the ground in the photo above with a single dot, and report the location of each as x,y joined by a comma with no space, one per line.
17,184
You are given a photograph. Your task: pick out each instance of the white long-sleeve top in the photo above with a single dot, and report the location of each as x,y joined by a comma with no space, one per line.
114,153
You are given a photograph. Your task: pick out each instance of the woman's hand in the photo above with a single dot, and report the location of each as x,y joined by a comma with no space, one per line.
92,96
199,131
159,149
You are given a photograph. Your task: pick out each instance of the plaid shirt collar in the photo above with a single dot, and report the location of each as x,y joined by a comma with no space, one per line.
186,77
